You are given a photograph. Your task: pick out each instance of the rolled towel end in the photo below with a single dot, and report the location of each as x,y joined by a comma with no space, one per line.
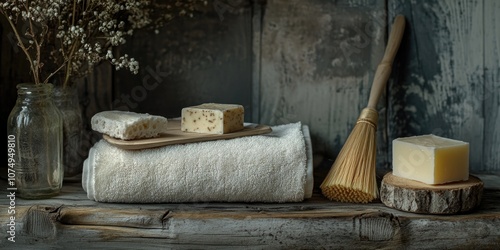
276,167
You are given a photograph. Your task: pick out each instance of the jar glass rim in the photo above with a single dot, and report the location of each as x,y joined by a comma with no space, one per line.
34,86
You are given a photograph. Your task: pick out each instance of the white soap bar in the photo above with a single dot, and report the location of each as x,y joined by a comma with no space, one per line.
430,159
128,125
212,118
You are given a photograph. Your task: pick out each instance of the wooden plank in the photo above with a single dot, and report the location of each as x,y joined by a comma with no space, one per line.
491,146
71,219
414,196
440,78
191,61
95,95
257,15
174,135
317,67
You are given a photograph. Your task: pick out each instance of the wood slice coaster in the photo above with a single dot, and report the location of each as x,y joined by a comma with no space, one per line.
417,197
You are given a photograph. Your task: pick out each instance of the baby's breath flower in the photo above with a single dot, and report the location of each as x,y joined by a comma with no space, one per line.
78,34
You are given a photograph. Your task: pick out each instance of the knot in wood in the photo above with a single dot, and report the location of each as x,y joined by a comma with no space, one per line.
377,227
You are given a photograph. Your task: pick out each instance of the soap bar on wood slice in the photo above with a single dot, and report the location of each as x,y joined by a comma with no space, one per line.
212,118
430,159
413,196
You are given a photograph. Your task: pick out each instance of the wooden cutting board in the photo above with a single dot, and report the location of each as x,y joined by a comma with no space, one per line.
417,197
174,135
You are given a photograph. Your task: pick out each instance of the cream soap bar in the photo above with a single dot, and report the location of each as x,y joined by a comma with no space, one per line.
212,118
128,125
430,159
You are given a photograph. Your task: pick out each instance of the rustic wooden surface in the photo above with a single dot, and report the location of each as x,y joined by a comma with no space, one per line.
317,67
491,149
447,82
70,219
413,196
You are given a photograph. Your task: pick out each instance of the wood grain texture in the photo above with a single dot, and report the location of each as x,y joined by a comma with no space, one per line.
174,135
70,219
384,68
439,86
95,95
413,196
491,96
317,67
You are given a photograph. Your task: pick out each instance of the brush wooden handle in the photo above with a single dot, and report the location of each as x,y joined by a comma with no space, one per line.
385,66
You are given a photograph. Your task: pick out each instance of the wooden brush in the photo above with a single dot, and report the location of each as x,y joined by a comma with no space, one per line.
352,176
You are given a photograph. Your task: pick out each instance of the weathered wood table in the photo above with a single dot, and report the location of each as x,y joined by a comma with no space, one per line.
70,220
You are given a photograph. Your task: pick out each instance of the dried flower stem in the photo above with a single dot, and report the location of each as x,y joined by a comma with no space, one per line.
21,45
76,35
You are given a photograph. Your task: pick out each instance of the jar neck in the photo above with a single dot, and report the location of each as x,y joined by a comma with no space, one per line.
34,92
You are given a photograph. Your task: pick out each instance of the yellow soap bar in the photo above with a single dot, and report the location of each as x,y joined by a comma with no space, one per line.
212,118
430,159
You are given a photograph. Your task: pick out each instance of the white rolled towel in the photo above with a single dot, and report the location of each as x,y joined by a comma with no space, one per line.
276,167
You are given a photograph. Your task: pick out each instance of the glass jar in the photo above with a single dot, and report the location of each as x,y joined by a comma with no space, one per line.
35,124
66,100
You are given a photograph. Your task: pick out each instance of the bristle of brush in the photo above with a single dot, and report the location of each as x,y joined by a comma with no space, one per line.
352,176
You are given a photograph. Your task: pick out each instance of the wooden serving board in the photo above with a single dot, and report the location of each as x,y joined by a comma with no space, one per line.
174,135
417,197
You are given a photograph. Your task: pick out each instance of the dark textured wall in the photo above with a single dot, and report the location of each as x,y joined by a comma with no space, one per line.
313,61
448,77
